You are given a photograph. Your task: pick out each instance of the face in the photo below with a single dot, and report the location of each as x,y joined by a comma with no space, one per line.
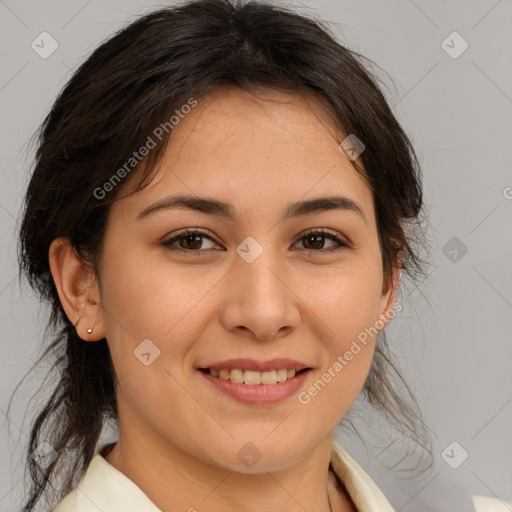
259,286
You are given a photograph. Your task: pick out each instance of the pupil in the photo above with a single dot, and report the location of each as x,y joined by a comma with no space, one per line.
318,243
192,239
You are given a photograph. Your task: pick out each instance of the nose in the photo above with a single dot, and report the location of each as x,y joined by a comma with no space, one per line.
260,302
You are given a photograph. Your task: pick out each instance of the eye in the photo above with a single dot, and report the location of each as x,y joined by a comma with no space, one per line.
316,240
188,240
191,240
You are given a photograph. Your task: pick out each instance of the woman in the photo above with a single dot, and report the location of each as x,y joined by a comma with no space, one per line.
220,211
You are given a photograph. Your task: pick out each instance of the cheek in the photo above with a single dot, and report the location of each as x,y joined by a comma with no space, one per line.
346,319
152,310
159,302
346,306
347,299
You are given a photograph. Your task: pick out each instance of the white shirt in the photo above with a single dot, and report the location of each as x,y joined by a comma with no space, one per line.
103,488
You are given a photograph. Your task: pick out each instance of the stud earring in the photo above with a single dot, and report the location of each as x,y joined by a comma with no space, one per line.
89,331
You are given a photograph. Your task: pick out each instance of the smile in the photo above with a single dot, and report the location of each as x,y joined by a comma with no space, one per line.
251,378
256,388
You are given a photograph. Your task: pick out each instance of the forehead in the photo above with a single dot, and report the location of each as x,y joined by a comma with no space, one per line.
241,120
253,150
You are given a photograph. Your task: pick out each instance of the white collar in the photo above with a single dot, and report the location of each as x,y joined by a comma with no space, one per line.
103,488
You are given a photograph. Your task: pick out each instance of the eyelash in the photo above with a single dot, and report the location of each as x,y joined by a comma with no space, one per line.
194,231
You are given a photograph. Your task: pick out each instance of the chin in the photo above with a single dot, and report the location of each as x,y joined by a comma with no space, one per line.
260,455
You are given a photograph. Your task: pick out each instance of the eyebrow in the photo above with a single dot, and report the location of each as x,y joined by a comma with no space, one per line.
218,208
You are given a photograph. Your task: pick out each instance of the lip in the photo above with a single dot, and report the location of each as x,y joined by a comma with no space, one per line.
258,394
257,366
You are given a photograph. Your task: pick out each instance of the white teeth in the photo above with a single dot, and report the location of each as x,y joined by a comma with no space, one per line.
282,375
251,377
236,376
269,377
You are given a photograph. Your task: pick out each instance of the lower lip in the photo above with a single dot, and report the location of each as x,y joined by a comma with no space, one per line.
258,394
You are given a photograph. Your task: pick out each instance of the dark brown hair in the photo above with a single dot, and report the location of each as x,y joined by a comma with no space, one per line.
131,84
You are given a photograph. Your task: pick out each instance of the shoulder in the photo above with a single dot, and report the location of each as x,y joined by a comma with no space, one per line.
69,503
103,487
362,489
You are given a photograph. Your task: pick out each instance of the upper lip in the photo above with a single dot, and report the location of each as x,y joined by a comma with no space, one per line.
258,366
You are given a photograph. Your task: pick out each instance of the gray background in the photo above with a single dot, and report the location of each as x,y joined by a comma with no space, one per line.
453,336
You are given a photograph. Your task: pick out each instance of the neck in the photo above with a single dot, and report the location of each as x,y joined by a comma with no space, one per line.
171,476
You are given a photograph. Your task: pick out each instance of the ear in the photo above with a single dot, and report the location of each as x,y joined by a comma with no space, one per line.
388,297
78,289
